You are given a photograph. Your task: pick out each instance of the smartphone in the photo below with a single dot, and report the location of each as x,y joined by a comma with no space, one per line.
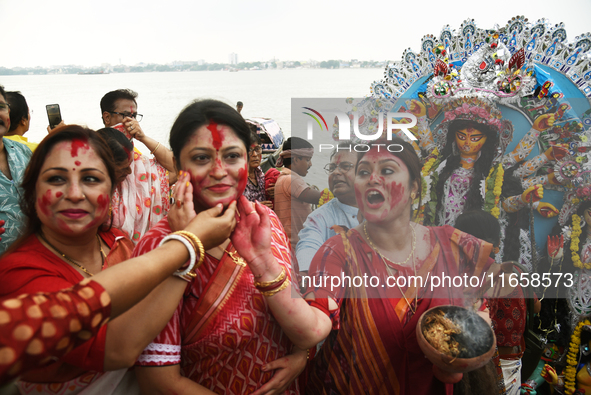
53,114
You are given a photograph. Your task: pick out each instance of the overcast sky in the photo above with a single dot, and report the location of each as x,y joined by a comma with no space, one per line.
91,32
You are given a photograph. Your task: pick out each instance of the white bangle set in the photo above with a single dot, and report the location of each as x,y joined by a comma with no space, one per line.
190,248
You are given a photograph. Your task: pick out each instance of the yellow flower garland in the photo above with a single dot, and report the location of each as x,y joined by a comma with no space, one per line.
574,243
570,376
497,188
429,164
325,197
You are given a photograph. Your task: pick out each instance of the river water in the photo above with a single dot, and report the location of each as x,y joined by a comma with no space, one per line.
265,93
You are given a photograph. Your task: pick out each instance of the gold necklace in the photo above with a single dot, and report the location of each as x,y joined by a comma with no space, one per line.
414,244
67,258
384,259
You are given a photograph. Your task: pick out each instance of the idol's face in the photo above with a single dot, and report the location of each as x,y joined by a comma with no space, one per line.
470,141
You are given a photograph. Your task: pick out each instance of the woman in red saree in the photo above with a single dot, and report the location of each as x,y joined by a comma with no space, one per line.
373,348
228,335
67,189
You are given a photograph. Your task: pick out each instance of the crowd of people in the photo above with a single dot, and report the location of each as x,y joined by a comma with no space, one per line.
182,272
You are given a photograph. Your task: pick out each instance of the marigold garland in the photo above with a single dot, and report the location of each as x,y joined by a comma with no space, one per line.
574,243
325,197
570,375
497,187
429,163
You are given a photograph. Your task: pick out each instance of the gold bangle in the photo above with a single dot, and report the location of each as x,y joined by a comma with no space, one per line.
157,146
273,292
196,243
265,284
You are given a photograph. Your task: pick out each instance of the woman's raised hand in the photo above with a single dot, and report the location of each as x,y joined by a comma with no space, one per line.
252,236
182,209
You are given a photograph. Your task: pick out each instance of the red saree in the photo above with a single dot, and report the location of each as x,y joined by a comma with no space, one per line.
33,268
223,332
374,350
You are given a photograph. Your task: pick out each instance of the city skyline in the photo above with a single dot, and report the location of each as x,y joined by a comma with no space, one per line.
71,32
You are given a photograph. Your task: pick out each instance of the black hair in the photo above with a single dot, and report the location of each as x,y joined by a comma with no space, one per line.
108,101
480,224
118,143
200,113
18,108
482,165
294,143
254,136
239,103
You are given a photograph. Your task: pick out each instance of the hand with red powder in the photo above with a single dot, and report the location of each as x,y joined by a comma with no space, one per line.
252,236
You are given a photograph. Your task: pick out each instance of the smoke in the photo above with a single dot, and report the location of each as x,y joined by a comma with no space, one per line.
476,337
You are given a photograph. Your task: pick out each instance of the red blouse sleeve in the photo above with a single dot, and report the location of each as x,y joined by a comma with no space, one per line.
37,329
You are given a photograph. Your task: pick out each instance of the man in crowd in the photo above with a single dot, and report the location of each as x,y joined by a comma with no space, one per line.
342,210
293,196
120,107
14,158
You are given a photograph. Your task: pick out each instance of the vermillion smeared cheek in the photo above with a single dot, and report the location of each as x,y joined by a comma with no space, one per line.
59,194
44,202
103,203
242,180
397,195
359,197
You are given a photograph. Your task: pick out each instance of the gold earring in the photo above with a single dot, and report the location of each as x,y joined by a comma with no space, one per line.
110,210
412,196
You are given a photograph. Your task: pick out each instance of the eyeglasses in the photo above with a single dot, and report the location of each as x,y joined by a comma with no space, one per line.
257,150
129,114
344,166
4,107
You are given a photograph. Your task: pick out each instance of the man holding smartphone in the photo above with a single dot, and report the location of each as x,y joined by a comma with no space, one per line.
14,158
147,178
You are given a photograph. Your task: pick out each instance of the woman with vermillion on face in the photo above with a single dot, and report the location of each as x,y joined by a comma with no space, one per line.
238,329
376,325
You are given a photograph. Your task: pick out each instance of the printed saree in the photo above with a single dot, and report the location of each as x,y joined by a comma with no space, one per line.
223,332
373,348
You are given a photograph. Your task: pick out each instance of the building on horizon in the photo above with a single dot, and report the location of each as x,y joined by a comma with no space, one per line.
233,58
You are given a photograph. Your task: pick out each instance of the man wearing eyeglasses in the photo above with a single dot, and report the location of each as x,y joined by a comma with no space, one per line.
341,211
14,158
120,107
